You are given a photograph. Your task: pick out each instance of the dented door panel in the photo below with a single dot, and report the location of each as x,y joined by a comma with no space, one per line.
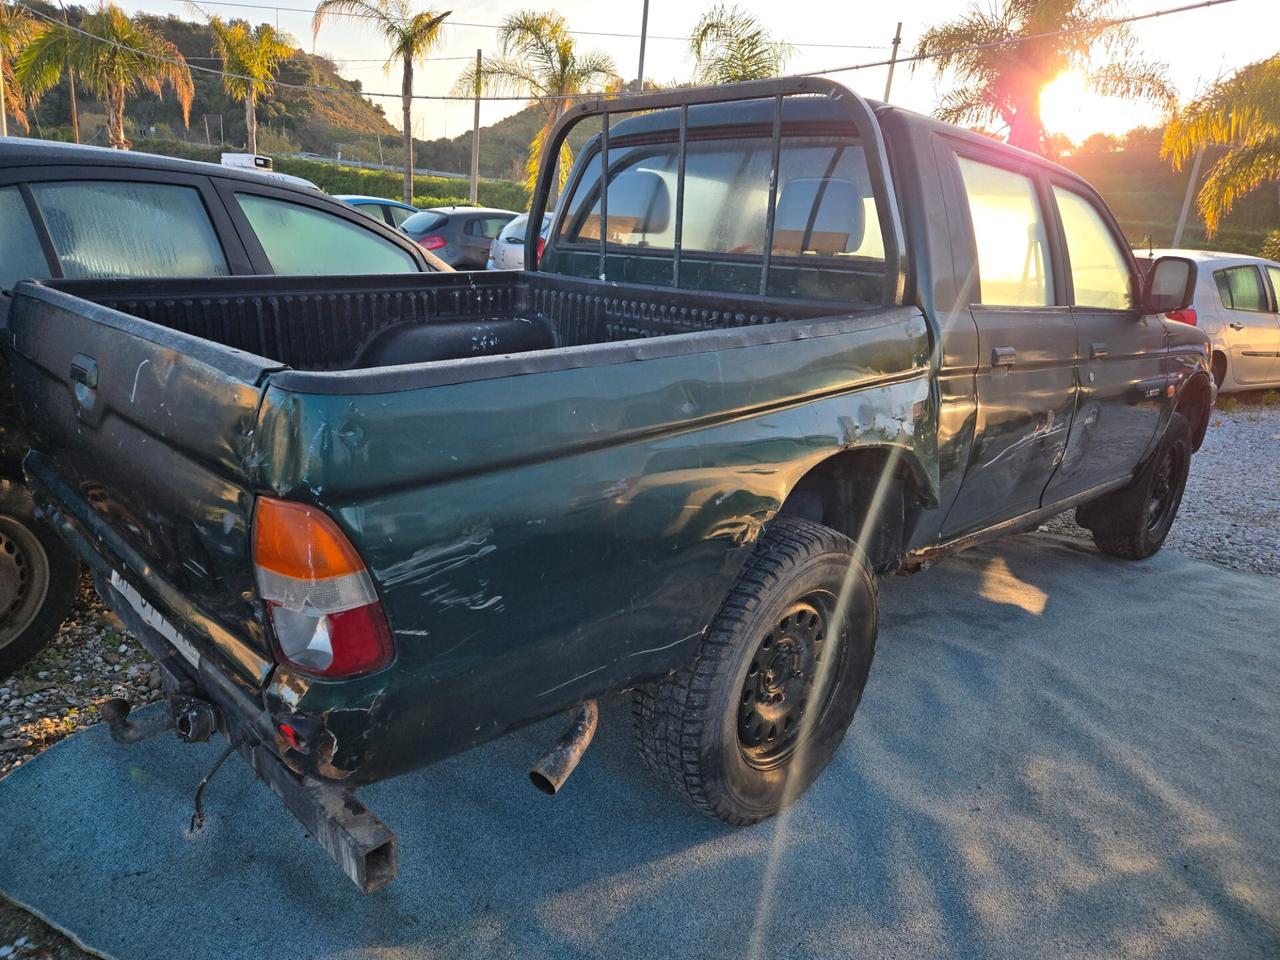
539,540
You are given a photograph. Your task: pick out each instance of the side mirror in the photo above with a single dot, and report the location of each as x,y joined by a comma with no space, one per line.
1169,285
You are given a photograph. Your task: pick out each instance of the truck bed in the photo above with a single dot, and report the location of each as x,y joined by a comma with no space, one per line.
343,323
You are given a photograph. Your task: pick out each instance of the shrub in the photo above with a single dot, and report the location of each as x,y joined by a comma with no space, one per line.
1271,246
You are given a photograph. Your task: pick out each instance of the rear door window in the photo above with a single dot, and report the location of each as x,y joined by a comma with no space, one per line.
1009,236
487,227
1100,274
20,255
301,240
126,229
1240,288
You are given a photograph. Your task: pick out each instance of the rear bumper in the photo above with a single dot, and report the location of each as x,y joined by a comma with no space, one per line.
356,839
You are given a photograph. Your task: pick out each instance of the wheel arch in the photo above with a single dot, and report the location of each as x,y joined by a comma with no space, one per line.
1195,402
845,489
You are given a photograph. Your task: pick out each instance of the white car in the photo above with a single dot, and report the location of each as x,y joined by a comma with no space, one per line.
507,250
1237,303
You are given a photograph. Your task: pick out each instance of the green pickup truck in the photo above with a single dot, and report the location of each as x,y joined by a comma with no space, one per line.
780,341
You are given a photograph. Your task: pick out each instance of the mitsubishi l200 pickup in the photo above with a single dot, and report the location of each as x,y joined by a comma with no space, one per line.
780,341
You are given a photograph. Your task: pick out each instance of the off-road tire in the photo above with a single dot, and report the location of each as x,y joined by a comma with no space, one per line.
1133,522
690,726
41,560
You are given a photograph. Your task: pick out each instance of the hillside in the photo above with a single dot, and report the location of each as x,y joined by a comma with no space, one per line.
294,120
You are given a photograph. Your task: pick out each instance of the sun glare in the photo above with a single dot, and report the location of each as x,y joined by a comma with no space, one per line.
1068,106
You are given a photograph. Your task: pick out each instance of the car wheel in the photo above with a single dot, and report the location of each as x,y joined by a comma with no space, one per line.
38,579
1133,522
755,716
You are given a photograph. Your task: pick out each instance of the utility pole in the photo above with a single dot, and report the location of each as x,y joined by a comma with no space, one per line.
1186,200
644,33
71,85
4,109
475,134
893,59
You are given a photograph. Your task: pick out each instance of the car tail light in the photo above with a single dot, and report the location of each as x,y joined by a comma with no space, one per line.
433,242
542,245
325,614
1187,316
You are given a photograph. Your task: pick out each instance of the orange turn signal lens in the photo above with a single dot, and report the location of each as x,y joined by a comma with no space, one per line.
300,541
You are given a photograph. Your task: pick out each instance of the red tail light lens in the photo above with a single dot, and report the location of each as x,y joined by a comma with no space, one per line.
1187,316
542,245
432,243
324,612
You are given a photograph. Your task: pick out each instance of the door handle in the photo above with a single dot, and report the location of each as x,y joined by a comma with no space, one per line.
1097,350
1004,357
84,376
1236,325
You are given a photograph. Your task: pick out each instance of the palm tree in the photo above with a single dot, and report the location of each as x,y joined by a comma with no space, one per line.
250,58
540,60
114,56
411,37
1002,62
17,29
730,44
1241,113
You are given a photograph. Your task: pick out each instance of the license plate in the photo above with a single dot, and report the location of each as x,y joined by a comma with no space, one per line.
155,619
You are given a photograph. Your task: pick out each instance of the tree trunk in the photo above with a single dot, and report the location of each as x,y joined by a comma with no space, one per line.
115,119
250,123
406,103
1026,129
75,111
4,105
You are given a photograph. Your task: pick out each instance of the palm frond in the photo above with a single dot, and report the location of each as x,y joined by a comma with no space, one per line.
1243,108
1233,177
729,44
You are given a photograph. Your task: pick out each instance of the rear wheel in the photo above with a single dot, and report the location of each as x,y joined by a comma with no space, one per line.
744,728
38,579
1133,522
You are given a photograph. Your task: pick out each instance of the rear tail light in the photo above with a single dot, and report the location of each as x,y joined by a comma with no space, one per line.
542,244
433,242
324,612
1187,316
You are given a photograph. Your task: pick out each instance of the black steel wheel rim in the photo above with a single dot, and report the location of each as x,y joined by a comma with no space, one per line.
792,672
24,578
1164,488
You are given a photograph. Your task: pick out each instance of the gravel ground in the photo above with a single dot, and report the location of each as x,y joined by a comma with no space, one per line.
1230,513
91,660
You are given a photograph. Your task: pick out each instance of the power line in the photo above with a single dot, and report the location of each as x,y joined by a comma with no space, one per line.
969,48
929,55
498,26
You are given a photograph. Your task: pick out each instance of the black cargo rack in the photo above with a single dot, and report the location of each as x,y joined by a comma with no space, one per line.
859,112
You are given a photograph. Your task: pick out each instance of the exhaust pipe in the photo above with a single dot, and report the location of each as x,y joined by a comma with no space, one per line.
550,773
123,730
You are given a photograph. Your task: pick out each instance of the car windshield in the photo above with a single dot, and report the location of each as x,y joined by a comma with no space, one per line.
422,222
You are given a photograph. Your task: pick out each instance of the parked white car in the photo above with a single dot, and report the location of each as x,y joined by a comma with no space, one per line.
1237,303
507,250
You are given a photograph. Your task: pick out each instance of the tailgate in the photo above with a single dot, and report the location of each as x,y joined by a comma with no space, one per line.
142,439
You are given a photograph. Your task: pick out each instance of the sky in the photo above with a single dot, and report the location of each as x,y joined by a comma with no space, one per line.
1197,46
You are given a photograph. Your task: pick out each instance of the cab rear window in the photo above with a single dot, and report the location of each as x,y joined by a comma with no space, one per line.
826,217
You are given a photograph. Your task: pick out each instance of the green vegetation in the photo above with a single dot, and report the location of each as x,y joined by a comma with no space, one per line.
410,36
115,56
1242,115
540,58
336,178
731,44
251,57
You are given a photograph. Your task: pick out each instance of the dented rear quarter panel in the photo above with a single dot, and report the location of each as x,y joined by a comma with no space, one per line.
541,539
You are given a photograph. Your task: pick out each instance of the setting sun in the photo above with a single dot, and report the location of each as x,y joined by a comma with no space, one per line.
1069,106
